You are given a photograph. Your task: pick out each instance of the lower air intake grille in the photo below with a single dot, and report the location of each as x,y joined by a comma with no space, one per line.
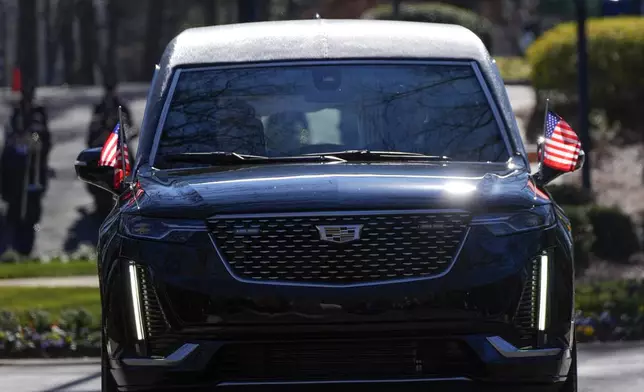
338,360
525,318
155,322
340,249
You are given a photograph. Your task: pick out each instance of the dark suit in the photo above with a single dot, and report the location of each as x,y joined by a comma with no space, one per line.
20,182
105,118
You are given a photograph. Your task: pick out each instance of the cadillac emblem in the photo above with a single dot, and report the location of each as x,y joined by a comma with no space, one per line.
340,234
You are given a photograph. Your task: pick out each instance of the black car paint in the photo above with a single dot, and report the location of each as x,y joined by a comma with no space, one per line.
487,273
202,193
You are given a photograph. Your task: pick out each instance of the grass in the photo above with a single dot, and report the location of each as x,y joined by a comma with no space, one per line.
627,297
53,300
53,269
513,69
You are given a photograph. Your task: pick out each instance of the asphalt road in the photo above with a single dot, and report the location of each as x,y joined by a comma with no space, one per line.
602,368
67,218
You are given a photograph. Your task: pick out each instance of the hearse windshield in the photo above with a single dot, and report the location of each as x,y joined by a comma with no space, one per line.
273,112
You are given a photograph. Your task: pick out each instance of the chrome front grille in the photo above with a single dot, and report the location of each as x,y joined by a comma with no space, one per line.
291,248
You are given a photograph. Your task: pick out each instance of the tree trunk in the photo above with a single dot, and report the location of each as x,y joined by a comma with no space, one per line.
290,9
152,38
50,44
246,11
66,26
88,43
27,44
113,16
263,10
210,12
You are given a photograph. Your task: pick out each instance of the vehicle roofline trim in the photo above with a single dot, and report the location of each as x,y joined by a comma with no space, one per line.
164,114
493,106
338,286
177,71
291,63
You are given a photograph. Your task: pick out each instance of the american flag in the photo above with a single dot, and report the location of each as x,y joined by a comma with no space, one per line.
110,154
562,146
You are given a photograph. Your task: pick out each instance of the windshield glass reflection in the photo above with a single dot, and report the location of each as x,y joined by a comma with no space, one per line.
292,110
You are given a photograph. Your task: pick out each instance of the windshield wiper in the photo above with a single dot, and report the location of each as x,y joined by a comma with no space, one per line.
368,155
233,158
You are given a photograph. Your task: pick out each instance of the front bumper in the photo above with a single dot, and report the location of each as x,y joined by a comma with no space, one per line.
207,330
484,363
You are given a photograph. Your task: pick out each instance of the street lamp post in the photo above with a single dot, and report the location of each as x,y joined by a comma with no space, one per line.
582,72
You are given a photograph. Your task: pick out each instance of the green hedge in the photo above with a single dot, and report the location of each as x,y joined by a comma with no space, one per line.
606,232
615,235
571,195
437,13
615,64
513,69
583,236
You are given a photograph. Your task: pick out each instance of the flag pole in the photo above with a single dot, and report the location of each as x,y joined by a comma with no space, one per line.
543,137
121,140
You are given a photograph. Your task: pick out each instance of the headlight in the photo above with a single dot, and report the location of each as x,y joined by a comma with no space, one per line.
170,230
517,222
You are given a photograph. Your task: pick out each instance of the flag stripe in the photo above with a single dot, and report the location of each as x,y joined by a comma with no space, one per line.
555,158
565,132
562,153
561,138
111,152
562,146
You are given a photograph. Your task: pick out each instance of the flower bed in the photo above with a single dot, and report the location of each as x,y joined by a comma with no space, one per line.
71,337
610,311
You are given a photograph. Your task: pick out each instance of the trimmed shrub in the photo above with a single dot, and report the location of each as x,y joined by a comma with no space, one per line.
513,69
615,63
570,195
437,13
582,236
615,235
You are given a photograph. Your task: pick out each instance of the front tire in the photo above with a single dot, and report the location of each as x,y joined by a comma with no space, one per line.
571,382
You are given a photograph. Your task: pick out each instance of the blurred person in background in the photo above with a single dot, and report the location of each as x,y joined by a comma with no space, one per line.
24,170
104,119
106,115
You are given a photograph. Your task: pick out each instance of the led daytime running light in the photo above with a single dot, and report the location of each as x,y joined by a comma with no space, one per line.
543,292
136,302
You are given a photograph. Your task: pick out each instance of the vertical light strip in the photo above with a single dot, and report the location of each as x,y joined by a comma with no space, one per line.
136,303
543,292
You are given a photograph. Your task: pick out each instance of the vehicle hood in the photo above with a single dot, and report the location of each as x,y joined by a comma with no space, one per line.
202,193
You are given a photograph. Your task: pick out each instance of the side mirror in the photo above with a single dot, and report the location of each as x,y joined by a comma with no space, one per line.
88,170
546,175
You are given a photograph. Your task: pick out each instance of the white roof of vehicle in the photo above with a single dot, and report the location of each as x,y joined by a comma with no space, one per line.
320,39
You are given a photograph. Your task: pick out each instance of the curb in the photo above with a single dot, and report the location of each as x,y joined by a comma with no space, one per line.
40,362
608,346
90,281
